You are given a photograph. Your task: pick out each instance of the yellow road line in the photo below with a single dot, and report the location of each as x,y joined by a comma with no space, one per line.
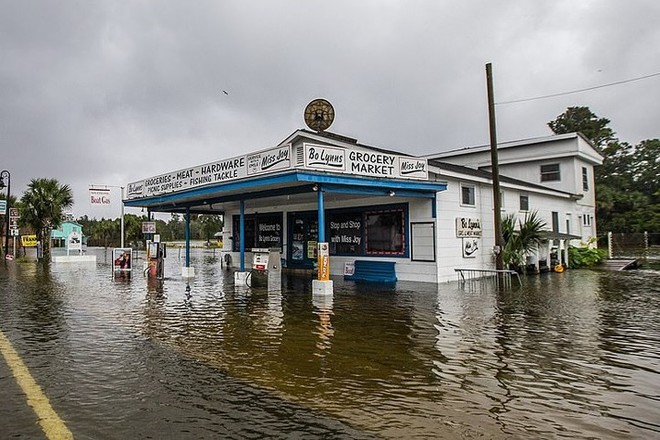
51,424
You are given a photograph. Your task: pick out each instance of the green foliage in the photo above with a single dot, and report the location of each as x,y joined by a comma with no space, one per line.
519,242
585,255
209,225
106,232
583,120
43,206
628,181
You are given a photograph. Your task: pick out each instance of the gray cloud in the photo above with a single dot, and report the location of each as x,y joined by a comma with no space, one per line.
110,92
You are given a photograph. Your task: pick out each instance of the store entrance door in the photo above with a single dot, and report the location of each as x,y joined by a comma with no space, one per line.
303,238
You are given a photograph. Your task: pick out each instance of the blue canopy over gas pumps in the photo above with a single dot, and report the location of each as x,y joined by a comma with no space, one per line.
302,169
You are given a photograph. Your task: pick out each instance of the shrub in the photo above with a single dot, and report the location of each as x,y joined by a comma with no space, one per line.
585,256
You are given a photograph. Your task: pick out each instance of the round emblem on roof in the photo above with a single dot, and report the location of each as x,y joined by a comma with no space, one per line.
319,114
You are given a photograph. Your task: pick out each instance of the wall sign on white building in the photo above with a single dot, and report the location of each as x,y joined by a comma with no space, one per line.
349,268
316,157
325,158
364,163
470,247
413,168
271,160
225,170
468,227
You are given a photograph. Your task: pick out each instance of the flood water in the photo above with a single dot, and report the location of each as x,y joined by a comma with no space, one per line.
570,355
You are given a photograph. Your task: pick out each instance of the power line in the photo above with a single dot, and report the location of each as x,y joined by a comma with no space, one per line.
514,101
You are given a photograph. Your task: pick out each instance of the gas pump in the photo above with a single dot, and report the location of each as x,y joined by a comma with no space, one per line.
156,253
266,264
260,259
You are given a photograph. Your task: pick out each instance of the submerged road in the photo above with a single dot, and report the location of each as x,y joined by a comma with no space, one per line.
96,357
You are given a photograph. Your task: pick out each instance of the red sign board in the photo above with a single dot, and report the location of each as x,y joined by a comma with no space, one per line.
148,227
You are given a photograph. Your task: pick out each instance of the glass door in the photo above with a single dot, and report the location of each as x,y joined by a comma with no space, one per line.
303,238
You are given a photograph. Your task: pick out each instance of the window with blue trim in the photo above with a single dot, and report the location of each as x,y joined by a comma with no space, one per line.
345,231
261,231
385,232
375,231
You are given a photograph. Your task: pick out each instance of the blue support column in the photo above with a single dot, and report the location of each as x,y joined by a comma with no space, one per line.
187,237
321,215
322,285
187,271
242,235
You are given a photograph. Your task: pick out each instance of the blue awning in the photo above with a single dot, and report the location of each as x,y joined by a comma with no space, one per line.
212,199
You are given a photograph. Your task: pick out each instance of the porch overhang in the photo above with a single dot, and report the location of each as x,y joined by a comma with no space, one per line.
551,235
278,189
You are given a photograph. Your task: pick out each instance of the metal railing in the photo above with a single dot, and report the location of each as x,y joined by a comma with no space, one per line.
494,276
631,244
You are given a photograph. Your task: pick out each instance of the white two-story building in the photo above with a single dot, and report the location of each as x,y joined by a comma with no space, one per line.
553,176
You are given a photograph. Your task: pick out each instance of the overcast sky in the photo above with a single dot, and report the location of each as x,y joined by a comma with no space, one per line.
109,92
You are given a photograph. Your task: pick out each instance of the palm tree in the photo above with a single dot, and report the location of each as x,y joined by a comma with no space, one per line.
43,206
518,243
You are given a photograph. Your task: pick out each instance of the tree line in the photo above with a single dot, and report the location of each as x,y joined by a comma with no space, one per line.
627,193
628,181
106,232
43,208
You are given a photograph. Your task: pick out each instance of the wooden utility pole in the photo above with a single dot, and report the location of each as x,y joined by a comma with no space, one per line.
497,201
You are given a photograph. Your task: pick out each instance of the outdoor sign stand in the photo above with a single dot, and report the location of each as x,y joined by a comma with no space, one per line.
74,243
122,262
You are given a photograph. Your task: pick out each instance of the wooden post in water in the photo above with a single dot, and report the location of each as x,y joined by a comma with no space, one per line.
497,202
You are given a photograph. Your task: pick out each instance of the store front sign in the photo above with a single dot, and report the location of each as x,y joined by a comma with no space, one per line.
413,168
468,227
364,162
325,158
470,247
214,172
29,240
271,160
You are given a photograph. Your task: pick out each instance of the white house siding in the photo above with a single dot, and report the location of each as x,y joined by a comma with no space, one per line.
523,164
522,160
419,210
450,247
450,252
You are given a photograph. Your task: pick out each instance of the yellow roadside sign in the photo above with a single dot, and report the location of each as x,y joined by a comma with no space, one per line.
29,240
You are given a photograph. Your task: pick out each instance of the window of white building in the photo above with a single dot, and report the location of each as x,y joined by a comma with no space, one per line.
467,195
585,179
550,172
524,202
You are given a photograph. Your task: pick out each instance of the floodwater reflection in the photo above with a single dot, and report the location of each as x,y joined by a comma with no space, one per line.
573,354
